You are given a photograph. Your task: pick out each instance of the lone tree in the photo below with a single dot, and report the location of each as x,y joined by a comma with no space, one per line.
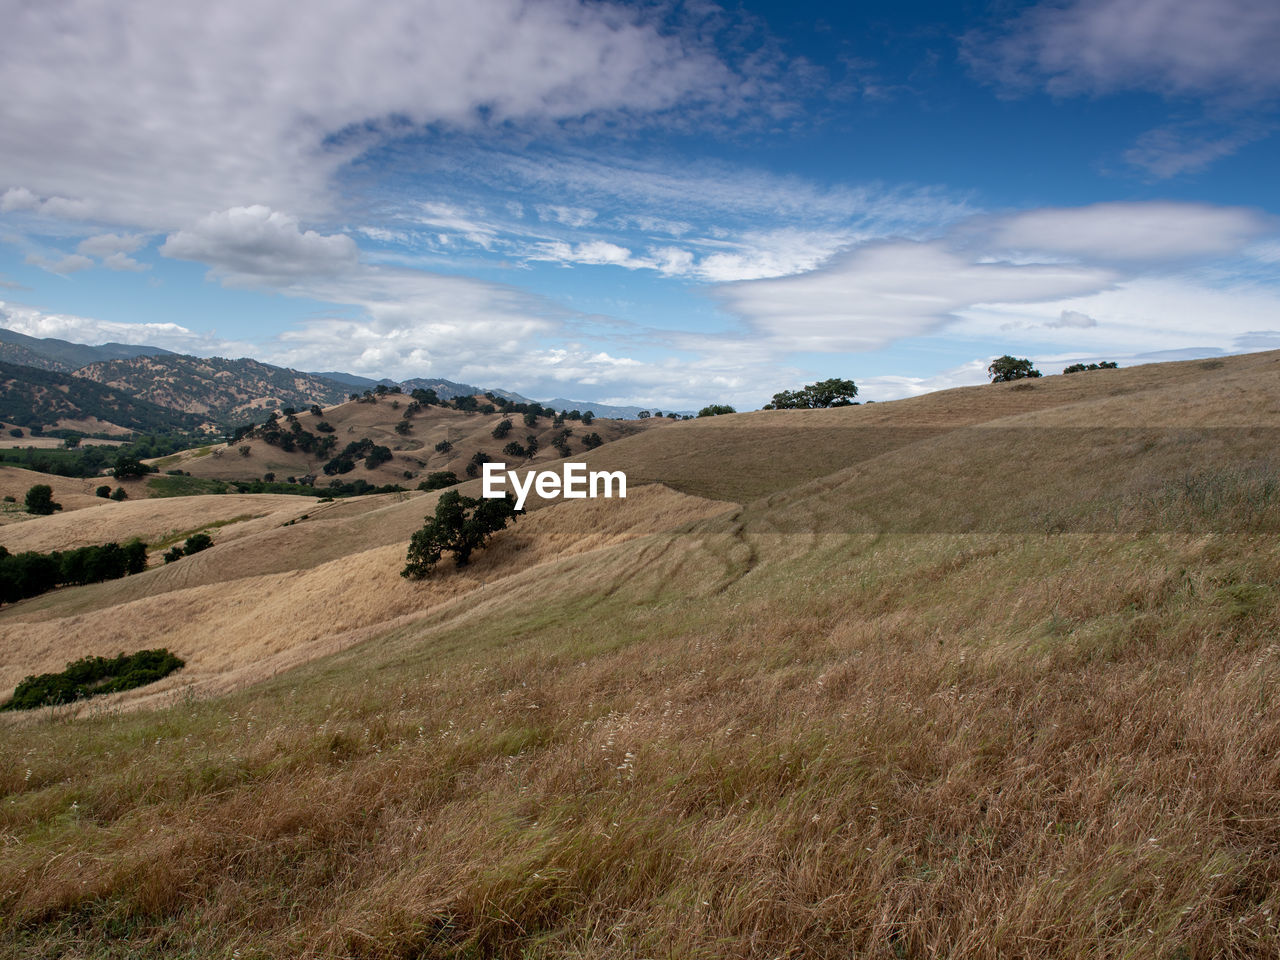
40,500
825,393
1006,368
461,525
716,410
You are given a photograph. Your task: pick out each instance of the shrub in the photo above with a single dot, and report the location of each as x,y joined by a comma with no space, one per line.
104,491
127,468
92,676
444,446
197,542
461,525
119,494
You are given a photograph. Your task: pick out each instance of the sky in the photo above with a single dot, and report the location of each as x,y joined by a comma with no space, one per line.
664,204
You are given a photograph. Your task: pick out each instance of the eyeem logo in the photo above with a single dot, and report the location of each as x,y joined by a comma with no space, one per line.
572,483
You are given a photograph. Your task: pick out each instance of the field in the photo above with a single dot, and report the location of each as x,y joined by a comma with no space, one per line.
988,673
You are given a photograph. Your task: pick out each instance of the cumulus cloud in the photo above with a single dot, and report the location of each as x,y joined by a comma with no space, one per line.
64,326
105,244
157,114
1224,49
254,246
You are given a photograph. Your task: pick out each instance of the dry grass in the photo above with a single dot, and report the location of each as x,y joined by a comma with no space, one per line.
761,735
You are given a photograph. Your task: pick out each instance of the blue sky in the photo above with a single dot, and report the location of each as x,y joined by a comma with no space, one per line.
666,204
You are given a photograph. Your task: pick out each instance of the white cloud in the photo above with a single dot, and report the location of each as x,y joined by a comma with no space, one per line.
121,261
105,244
569,216
157,114
1131,231
1074,320
253,246
71,263
37,323
890,291
1225,49
1190,146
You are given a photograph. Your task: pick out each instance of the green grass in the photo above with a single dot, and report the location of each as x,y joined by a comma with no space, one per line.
166,486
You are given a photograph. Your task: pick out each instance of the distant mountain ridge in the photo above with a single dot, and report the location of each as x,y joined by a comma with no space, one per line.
50,353
31,397
228,391
234,391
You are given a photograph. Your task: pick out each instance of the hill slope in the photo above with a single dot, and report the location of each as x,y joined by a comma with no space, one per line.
907,699
49,399
49,353
231,391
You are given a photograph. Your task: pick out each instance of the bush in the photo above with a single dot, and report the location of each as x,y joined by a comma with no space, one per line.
716,410
119,494
104,491
92,676
444,446
461,526
40,500
502,429
197,542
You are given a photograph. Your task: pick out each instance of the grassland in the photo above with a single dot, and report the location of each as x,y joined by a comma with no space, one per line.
953,687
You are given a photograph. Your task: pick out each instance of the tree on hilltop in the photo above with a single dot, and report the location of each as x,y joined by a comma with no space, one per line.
716,410
825,393
1005,369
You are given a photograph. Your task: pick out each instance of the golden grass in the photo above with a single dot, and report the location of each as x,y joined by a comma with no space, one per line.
700,731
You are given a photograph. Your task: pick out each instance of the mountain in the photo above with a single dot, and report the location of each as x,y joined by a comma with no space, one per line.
49,353
445,389
33,397
228,391
351,380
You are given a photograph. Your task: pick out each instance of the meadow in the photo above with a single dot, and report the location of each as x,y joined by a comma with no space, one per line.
989,673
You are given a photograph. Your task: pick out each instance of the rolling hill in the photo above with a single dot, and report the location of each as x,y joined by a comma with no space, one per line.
990,672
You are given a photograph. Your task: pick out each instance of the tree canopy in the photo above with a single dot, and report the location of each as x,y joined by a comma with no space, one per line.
461,525
825,393
1007,368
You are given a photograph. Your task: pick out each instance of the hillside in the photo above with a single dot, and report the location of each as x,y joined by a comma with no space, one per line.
226,391
380,420
49,353
986,673
49,399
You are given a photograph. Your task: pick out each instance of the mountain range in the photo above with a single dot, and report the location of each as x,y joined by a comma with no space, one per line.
211,390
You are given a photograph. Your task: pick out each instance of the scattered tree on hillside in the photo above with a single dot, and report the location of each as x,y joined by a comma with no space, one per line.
530,418
478,459
715,410
587,418
502,429
316,410
461,525
444,446
592,440
1081,367
127,468
39,500
515,449
104,491
119,494
438,480
643,415
404,428
825,393
1007,368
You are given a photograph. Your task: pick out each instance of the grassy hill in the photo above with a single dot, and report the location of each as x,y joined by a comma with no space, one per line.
50,399
986,673
230,391
414,451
